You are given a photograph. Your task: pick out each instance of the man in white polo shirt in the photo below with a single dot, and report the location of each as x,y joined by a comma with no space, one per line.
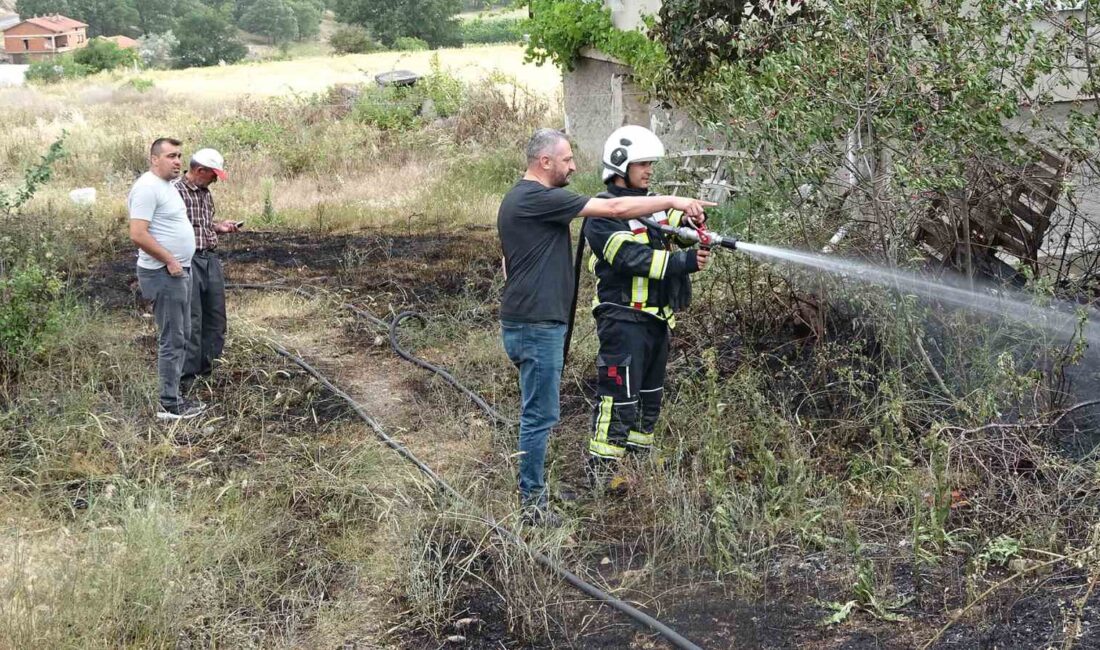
166,242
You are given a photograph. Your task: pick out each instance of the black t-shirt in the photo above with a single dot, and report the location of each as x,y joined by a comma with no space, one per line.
533,223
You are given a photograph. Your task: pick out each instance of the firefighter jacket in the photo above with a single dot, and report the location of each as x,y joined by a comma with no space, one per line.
638,275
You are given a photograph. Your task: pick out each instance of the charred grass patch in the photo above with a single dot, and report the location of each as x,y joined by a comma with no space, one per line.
235,528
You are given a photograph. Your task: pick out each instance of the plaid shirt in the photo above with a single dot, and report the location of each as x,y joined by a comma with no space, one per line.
200,210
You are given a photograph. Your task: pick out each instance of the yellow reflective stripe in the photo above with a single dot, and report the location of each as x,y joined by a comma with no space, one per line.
605,450
591,263
603,419
611,248
658,265
674,218
598,445
640,439
640,293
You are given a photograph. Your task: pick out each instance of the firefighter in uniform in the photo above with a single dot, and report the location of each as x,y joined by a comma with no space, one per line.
640,283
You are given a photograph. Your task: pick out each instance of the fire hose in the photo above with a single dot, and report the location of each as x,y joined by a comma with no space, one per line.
550,564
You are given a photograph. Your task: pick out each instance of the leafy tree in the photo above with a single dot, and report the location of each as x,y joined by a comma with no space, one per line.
106,17
101,54
157,16
157,50
28,8
352,39
430,20
272,18
205,37
308,13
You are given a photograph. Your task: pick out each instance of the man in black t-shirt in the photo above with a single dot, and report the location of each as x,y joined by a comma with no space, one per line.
533,222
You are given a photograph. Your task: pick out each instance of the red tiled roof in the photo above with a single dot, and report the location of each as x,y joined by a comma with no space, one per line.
56,23
124,42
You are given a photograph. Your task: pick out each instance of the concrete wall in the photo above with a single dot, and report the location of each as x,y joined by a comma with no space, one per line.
599,98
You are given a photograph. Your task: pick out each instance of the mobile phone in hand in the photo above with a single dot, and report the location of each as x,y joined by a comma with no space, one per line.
238,224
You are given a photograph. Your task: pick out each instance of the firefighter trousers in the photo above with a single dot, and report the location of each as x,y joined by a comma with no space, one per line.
630,385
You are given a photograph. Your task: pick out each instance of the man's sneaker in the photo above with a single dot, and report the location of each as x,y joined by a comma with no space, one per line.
541,516
184,409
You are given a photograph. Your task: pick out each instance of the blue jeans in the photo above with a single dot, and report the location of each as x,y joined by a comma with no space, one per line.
536,350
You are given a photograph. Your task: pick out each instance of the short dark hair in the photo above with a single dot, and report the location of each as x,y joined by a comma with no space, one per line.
154,150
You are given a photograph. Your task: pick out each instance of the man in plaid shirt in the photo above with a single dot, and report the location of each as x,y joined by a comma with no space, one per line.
207,281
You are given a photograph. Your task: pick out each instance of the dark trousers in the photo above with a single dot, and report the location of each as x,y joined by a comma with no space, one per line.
629,386
207,316
171,298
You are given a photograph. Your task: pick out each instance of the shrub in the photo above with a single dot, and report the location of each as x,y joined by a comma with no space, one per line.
446,91
499,30
205,37
243,133
389,108
101,54
32,312
353,39
156,50
54,70
410,44
141,84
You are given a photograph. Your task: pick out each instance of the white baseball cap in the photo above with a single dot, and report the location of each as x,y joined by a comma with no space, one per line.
211,159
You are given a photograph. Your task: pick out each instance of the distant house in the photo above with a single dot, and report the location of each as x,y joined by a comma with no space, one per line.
123,42
44,37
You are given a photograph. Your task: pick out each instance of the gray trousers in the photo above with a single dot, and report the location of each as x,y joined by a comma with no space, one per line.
207,316
171,298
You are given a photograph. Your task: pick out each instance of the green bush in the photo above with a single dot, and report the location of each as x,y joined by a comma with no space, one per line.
410,44
446,91
33,310
244,133
390,108
141,84
353,39
499,30
101,54
56,69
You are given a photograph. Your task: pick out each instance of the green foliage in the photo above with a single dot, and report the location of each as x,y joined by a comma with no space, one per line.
101,54
353,39
272,18
698,34
141,84
308,14
156,50
33,311
999,551
53,70
399,108
206,38
410,44
245,133
446,91
389,108
498,30
32,305
35,177
559,29
432,21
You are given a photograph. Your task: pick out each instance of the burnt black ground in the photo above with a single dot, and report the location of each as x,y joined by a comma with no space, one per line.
396,272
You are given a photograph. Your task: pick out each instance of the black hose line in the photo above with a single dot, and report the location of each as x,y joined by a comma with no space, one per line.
405,354
549,563
578,263
639,616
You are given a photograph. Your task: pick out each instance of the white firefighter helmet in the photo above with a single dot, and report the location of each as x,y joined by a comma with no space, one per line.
629,144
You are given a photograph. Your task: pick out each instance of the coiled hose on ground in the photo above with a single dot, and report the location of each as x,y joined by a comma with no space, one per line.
554,567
